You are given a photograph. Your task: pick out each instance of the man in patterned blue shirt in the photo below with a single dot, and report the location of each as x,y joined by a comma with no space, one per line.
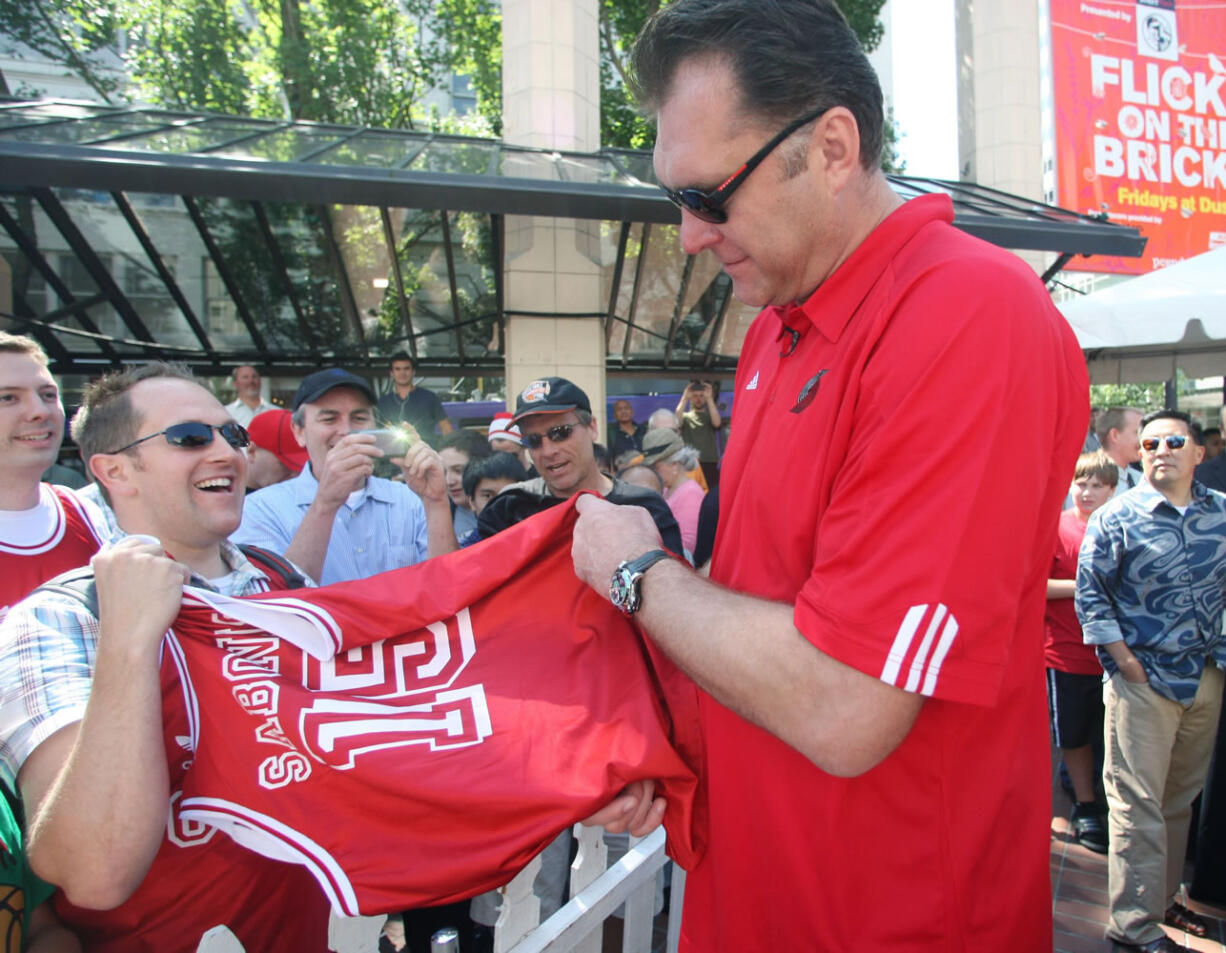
1150,580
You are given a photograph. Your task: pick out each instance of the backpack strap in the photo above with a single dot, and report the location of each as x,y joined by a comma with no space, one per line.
280,571
77,584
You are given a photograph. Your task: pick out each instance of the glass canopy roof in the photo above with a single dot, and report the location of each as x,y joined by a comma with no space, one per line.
137,232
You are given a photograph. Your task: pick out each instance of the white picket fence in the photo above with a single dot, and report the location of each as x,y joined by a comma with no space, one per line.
597,889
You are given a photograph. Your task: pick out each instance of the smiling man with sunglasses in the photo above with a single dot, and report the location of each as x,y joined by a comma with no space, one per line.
44,530
1151,580
869,655
83,732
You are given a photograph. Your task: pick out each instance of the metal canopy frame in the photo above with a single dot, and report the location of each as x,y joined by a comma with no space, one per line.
195,160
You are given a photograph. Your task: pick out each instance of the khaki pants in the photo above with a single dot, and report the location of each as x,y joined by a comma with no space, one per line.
1157,756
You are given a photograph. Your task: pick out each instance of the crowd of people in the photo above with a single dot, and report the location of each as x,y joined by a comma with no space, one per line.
290,499
1135,652
86,757
873,760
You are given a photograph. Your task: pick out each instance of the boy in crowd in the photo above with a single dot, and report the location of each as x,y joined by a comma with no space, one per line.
1074,675
486,477
457,450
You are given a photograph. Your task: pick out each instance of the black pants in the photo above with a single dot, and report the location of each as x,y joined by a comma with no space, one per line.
1209,829
424,922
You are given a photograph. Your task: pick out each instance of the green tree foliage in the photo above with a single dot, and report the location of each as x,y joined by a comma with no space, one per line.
622,125
71,32
197,57
365,62
1142,396
469,36
360,62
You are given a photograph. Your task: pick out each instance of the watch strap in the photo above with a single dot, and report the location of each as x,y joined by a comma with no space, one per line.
642,563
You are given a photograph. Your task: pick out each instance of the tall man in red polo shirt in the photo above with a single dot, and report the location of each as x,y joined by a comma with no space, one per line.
876,747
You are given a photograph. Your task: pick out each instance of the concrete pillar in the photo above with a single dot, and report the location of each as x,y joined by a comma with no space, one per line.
551,99
999,98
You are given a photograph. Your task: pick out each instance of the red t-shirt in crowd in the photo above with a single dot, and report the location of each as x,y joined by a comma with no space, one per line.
418,736
901,449
1063,648
66,539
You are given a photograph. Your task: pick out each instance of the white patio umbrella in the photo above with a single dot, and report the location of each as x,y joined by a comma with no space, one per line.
1144,328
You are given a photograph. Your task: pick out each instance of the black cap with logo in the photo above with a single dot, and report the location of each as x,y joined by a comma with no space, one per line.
550,395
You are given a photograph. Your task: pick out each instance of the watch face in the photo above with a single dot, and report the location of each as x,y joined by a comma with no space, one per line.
624,590
621,591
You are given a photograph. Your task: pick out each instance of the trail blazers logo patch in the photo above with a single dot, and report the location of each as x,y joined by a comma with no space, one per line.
809,391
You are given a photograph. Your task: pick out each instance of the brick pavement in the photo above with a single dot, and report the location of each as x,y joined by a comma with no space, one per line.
1079,892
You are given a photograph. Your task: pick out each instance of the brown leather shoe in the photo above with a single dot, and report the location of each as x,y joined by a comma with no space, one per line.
1181,918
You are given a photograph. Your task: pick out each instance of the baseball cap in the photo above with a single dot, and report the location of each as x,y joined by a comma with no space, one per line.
660,444
550,395
502,427
314,386
271,431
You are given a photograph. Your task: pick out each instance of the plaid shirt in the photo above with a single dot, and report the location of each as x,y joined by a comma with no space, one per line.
48,644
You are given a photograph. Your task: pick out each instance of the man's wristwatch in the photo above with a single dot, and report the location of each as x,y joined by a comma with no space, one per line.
624,591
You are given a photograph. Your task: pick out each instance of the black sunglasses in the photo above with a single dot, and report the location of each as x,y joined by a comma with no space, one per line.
1174,441
558,434
709,206
193,435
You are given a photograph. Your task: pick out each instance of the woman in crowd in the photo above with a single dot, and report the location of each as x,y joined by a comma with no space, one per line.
664,452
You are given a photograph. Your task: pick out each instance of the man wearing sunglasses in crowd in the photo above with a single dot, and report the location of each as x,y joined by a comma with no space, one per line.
336,519
869,655
82,732
1151,575
555,420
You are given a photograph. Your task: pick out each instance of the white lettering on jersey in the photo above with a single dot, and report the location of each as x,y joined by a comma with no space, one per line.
254,654
278,770
251,656
393,693
182,832
408,696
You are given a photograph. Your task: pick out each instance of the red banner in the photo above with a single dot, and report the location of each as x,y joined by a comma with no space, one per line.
1140,122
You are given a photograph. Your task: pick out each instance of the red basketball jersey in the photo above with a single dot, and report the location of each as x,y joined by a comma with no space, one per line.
417,737
201,881
68,542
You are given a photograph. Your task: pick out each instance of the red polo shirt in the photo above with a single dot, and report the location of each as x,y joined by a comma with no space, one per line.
902,446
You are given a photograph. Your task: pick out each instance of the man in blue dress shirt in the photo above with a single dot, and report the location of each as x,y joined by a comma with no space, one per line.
1150,581
336,519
